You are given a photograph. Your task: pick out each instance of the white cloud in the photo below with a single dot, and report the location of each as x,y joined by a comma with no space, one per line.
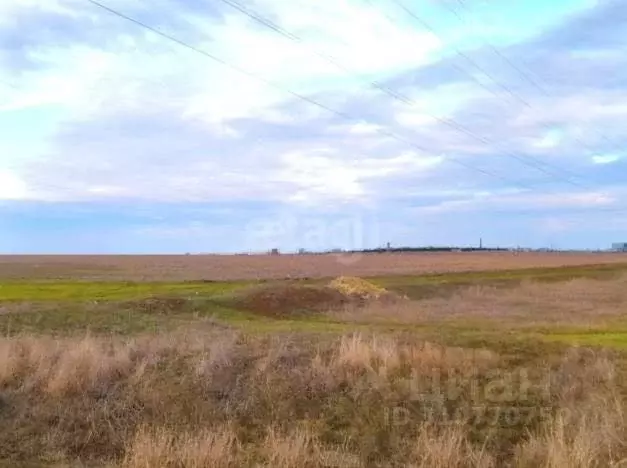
357,34
414,118
115,73
12,187
551,139
439,103
9,9
141,117
605,158
502,201
131,71
364,128
324,174
590,107
75,79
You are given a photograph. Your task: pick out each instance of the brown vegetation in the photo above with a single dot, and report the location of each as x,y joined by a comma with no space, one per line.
197,398
228,267
577,302
201,394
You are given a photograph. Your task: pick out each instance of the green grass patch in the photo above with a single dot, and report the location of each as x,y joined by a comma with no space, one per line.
610,339
108,291
415,286
125,308
123,318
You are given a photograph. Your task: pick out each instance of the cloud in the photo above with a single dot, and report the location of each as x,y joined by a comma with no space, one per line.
12,187
605,158
112,113
524,202
323,174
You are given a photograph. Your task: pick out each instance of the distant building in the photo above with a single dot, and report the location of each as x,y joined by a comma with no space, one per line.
619,246
274,252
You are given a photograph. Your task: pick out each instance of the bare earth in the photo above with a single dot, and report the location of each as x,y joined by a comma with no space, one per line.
233,267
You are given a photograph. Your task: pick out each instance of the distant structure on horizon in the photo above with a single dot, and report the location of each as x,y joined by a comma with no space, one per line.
619,246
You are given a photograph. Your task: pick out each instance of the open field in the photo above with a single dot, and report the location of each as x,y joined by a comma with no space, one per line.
492,367
233,267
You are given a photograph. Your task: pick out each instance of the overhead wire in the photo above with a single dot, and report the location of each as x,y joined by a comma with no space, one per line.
427,26
295,94
528,161
277,86
8,84
518,69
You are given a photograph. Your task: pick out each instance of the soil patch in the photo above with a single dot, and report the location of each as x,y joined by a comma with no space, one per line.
285,300
159,305
293,299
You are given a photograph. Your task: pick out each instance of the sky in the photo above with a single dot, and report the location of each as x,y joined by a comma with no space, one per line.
171,126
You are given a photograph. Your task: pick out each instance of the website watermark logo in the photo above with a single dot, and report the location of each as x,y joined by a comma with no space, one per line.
344,237
497,397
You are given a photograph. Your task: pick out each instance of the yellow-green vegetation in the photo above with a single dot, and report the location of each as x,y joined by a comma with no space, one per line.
486,369
107,291
613,339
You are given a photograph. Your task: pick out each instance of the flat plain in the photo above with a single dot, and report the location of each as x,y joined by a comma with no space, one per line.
458,360
234,267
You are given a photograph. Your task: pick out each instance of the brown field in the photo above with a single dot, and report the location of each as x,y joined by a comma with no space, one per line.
233,267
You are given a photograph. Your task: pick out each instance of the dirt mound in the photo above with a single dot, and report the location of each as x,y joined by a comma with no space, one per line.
291,300
356,287
362,291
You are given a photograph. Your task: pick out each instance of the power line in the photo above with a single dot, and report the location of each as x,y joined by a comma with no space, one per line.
494,49
536,161
466,57
524,74
528,161
290,92
8,85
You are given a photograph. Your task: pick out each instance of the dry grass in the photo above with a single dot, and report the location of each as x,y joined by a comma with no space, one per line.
197,398
448,447
589,428
574,302
165,448
229,267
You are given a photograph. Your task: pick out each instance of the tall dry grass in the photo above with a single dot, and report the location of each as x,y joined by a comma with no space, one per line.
579,302
219,399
